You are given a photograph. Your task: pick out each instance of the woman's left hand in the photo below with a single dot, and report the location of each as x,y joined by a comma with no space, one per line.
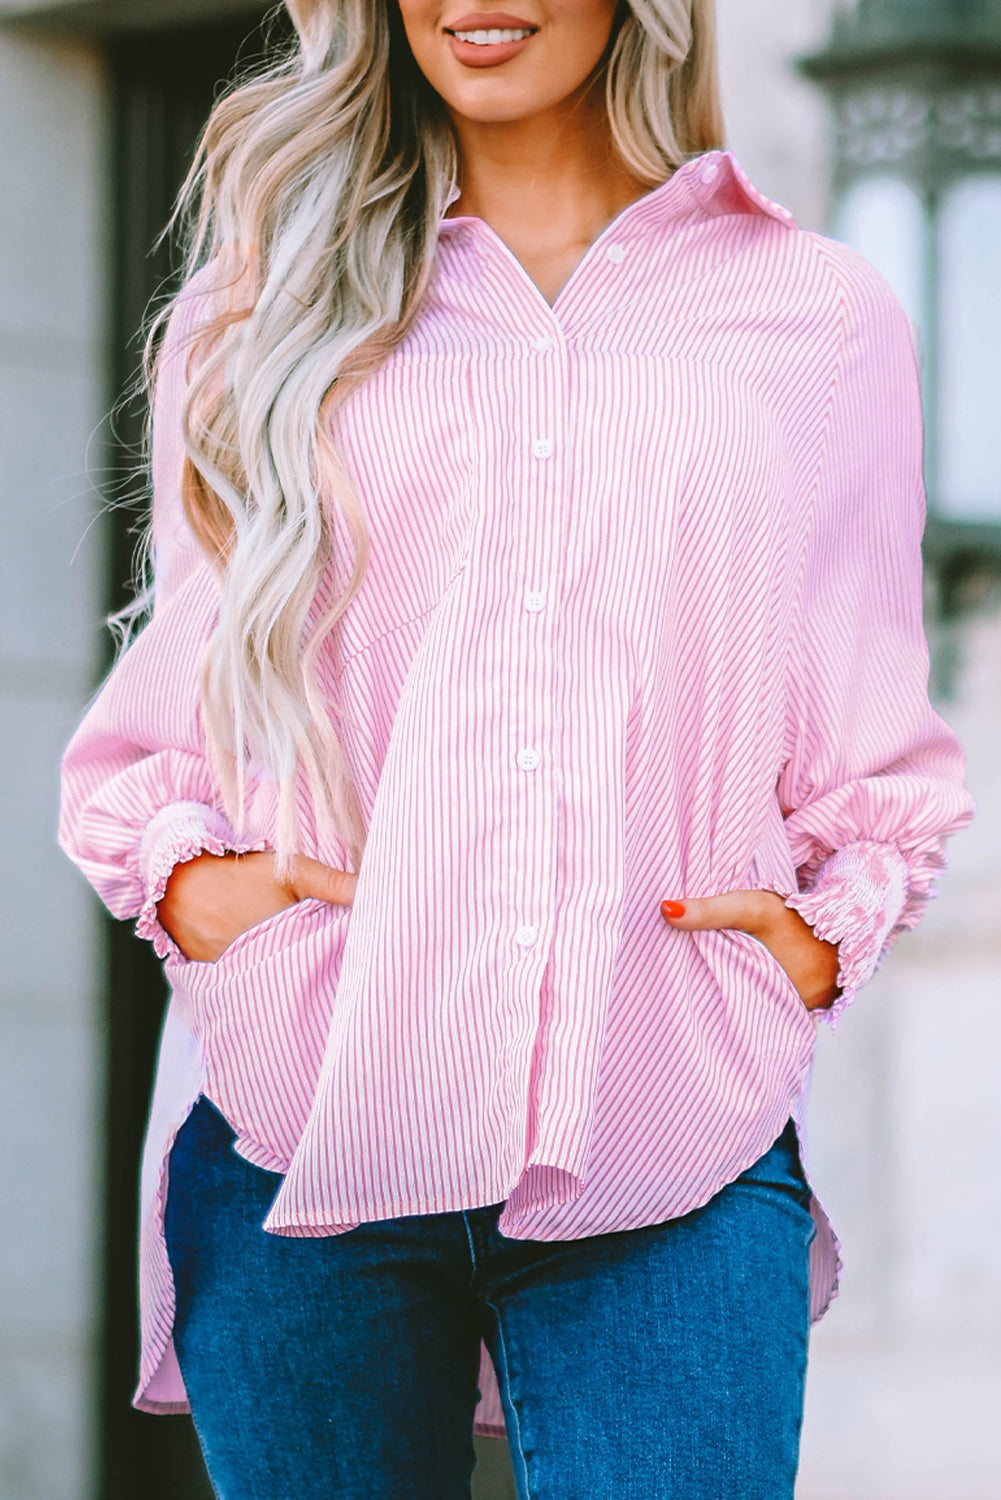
810,963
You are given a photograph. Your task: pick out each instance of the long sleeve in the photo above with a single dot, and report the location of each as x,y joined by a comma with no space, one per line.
138,794
873,782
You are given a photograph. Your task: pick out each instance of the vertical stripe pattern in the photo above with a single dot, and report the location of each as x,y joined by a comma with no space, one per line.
642,620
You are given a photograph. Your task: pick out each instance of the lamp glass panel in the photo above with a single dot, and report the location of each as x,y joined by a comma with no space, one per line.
970,350
884,219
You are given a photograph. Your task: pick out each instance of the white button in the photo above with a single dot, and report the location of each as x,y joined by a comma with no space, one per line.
527,937
540,345
529,759
616,254
710,171
542,448
534,602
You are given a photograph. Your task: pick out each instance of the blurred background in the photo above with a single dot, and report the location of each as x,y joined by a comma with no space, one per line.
879,123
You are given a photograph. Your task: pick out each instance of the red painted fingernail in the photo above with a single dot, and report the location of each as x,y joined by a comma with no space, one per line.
672,908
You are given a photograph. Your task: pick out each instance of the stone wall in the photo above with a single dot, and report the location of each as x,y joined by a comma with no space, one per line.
52,327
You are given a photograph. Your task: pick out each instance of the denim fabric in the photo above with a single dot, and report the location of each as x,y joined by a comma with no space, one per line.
663,1363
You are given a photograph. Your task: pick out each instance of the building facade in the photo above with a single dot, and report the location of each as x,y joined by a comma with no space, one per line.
99,104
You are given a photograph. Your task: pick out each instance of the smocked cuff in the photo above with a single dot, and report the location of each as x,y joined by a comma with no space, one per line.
855,901
176,834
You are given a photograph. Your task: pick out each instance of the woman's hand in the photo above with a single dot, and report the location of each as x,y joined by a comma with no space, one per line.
810,963
211,899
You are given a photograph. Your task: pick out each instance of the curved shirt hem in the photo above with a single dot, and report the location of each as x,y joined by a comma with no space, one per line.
160,1391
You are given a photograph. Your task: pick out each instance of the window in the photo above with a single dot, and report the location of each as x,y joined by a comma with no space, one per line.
969,400
884,219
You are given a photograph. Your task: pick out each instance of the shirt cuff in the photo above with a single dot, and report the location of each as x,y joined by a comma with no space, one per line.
855,901
177,833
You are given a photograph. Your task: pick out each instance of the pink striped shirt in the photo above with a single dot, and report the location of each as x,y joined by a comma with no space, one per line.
643,619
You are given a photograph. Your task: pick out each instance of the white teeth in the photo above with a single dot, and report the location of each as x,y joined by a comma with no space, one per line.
493,37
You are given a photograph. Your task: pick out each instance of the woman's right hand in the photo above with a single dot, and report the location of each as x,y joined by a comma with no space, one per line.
211,899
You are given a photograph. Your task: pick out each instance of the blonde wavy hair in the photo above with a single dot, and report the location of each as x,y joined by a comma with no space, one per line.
316,196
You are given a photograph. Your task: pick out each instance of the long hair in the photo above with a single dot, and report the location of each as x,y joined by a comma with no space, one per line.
315,199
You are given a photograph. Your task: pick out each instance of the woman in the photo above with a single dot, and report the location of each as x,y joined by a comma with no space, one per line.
537,510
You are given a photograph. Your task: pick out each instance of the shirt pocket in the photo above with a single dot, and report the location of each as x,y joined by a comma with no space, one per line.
420,487
258,935
254,946
756,989
772,867
261,1014
775,981
403,586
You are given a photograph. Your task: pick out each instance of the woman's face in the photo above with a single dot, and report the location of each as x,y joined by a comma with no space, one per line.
501,66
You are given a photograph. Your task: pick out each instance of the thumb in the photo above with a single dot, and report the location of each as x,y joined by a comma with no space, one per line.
741,910
311,878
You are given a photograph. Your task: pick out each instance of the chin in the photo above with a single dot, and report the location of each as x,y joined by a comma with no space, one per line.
493,103
486,114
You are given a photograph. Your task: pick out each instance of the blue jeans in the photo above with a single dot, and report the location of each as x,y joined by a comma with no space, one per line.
664,1363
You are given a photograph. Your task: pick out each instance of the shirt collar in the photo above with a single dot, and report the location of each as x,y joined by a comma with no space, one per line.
712,185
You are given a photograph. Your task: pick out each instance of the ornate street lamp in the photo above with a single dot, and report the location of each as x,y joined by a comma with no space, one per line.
916,90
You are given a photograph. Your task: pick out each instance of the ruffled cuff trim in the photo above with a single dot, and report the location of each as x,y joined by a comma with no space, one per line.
855,901
176,834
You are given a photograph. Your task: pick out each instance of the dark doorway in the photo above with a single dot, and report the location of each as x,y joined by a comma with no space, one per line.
164,83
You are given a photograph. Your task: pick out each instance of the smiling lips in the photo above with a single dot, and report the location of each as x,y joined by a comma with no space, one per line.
483,39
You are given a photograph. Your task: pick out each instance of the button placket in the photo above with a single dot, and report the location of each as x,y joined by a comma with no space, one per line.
539,530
